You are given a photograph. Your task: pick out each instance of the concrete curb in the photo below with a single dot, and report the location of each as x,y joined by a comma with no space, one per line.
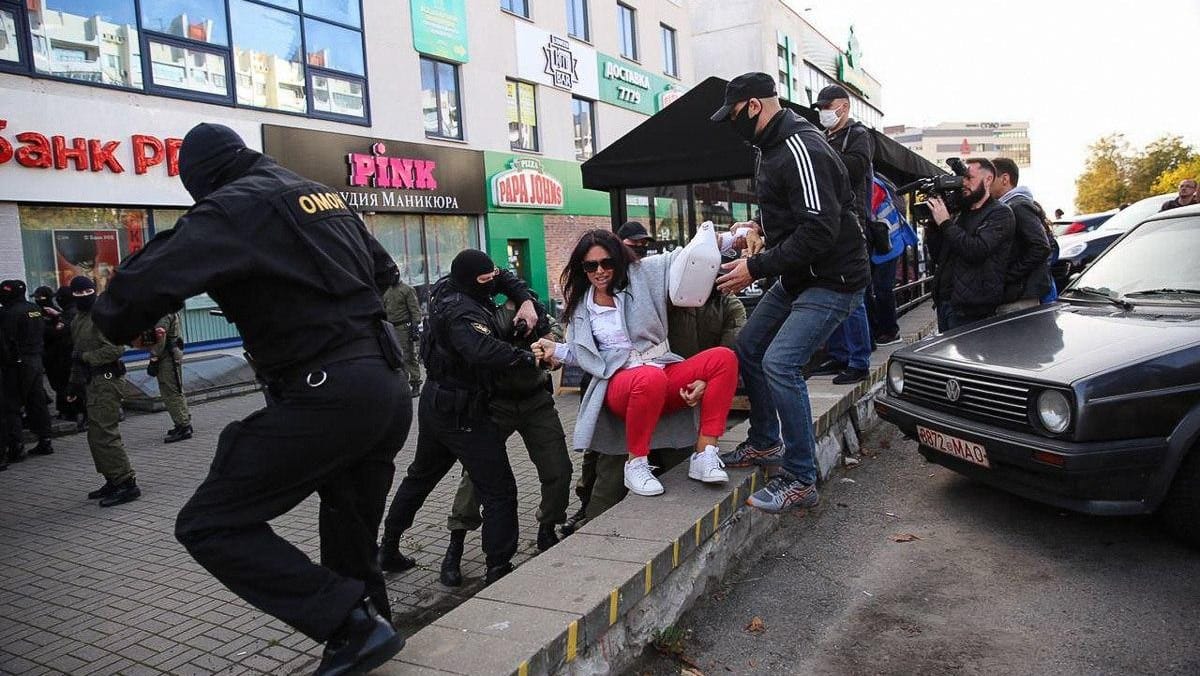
590,604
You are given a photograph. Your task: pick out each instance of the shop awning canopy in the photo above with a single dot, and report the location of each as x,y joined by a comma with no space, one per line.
679,145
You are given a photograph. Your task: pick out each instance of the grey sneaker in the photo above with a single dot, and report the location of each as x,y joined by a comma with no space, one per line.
746,455
782,494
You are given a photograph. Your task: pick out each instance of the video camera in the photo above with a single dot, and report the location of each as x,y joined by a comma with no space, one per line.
948,188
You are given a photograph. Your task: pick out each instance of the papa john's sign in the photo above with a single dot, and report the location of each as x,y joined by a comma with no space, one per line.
524,185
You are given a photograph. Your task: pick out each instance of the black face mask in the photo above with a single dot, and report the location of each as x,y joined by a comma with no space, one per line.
84,303
639,251
744,125
487,290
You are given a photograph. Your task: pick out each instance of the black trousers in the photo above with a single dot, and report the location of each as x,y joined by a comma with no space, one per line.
23,389
336,438
442,438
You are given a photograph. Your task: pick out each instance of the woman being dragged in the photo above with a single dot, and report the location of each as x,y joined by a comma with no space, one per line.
641,395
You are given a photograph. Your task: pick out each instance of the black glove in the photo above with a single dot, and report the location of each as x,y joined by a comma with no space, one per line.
152,368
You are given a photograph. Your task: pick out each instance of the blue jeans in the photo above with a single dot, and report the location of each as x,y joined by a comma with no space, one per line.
781,336
850,342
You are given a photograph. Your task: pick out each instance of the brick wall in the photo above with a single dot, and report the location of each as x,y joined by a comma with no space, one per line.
562,232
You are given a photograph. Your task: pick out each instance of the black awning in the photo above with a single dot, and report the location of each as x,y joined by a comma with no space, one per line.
679,145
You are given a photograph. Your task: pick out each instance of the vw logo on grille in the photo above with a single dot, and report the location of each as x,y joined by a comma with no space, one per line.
953,390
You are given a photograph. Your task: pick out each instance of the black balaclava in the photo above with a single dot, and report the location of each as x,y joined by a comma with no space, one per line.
83,290
11,291
211,156
466,267
43,296
64,298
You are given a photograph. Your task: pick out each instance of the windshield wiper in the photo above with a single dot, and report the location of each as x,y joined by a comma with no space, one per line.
1165,292
1097,293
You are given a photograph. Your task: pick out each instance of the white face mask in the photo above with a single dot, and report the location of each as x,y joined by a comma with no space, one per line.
829,118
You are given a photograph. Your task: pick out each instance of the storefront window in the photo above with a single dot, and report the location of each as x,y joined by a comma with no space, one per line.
93,41
266,48
60,243
199,20
724,203
423,246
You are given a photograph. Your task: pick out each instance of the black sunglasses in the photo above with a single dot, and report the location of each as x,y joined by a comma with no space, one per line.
592,266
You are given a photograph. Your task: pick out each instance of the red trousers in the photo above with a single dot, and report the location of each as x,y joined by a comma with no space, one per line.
641,395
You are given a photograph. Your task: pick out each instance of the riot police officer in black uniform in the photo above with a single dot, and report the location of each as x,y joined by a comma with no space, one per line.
25,329
463,348
300,276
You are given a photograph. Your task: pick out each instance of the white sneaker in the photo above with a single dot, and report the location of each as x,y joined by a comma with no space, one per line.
639,478
706,466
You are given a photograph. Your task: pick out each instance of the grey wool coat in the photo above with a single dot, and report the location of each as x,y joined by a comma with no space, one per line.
644,308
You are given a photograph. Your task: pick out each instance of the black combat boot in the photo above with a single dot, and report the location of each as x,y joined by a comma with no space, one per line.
44,447
126,491
452,563
16,453
104,491
178,433
390,558
574,521
546,537
363,642
496,572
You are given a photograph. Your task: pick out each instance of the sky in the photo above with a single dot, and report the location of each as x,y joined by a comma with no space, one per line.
1075,70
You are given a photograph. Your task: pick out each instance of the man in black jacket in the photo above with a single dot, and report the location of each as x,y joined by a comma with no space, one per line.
301,277
25,329
850,345
1028,275
971,249
816,248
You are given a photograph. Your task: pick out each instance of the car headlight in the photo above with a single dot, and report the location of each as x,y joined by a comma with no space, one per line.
1073,250
896,376
1054,411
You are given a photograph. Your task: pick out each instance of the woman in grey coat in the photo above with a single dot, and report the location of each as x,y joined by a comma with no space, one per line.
642,395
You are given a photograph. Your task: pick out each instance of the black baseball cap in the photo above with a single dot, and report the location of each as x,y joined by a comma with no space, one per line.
742,88
830,94
633,230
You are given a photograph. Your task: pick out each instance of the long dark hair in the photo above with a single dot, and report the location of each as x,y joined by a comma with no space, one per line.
574,280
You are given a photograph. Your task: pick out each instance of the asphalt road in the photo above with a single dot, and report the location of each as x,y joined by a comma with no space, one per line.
992,584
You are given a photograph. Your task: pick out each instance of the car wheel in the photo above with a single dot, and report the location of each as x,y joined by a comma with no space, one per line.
1181,510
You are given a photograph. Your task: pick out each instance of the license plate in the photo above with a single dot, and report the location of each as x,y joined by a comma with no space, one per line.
959,448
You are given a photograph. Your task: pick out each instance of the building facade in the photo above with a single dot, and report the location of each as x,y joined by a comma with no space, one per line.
731,37
966,139
445,123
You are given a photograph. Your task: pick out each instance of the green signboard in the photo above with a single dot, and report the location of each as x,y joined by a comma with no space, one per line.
440,28
623,85
576,199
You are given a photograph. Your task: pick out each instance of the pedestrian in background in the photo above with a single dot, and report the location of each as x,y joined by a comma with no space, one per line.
404,312
1187,196
850,344
97,374
166,365
1027,278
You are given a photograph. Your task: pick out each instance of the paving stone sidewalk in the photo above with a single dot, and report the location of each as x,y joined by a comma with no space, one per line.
85,590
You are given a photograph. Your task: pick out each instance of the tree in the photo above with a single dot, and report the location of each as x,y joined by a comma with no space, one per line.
1169,181
1161,156
1105,181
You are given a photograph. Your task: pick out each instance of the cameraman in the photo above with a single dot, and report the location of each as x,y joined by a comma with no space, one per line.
971,249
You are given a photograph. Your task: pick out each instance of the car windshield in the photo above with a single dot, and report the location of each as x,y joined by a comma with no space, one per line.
1134,214
1155,262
